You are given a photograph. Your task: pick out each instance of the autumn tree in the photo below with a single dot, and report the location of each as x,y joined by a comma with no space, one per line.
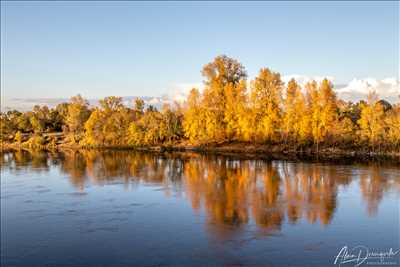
323,110
145,131
246,121
294,110
225,111
18,138
138,106
62,111
172,129
23,123
372,121
155,127
329,108
222,77
5,127
392,122
347,117
235,104
93,129
194,122
55,121
266,101
38,118
76,116
107,125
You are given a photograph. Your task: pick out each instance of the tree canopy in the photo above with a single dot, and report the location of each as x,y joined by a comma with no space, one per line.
263,110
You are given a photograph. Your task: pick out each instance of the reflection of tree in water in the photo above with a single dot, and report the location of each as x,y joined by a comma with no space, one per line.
310,190
129,168
74,163
232,193
22,160
373,184
266,197
229,192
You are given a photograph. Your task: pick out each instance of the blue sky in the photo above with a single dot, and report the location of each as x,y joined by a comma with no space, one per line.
135,48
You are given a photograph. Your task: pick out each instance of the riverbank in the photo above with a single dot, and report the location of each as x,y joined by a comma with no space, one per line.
248,150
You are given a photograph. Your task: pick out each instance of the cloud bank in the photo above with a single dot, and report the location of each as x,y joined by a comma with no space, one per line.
180,91
303,79
355,90
388,89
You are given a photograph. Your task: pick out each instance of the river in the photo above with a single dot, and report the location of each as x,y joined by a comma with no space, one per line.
123,208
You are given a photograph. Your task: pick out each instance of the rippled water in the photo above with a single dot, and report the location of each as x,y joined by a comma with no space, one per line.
137,209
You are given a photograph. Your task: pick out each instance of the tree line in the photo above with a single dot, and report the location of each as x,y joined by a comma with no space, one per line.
229,109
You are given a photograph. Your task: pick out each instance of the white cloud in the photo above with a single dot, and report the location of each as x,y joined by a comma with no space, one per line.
357,89
180,91
304,79
154,101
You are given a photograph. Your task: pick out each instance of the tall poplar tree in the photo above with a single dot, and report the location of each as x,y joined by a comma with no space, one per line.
266,100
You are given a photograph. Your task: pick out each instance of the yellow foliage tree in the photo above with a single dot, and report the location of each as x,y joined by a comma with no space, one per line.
18,137
226,111
393,124
93,129
235,101
266,100
194,118
76,116
224,82
371,122
323,107
294,110
345,131
108,124
329,108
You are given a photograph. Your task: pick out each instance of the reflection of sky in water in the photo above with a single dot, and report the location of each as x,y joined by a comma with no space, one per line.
132,209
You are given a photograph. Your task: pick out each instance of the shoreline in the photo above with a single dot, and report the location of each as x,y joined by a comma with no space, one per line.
246,150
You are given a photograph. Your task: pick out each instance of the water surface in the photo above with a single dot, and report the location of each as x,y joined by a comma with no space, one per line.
116,208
